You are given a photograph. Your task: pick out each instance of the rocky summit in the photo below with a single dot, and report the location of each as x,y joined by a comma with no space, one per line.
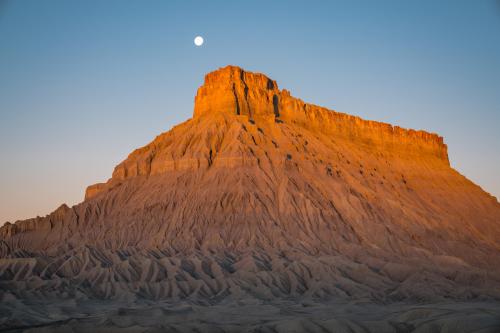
267,203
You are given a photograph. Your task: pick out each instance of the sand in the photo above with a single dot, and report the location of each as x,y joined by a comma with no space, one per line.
246,315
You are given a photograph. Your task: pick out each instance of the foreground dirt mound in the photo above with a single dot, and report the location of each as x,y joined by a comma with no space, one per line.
262,196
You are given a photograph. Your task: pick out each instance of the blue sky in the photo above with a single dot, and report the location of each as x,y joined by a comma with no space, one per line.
83,83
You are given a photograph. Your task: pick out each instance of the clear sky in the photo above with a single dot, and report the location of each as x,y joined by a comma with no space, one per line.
83,83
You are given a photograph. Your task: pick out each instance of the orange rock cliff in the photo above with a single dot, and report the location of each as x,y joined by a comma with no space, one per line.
263,199
257,98
262,194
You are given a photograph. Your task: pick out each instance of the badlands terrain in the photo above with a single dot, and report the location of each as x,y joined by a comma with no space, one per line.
263,213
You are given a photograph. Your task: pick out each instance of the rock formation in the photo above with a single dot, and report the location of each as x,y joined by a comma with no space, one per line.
261,195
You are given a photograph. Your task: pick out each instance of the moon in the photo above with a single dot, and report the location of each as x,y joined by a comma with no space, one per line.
198,41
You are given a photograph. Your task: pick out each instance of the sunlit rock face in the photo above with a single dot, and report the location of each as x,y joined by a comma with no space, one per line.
254,99
261,195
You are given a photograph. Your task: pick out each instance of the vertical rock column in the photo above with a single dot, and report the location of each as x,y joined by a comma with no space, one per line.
231,89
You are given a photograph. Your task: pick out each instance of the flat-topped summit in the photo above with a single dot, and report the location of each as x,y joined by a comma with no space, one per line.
233,90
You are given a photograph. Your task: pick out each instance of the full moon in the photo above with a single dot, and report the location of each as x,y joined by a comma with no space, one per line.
198,41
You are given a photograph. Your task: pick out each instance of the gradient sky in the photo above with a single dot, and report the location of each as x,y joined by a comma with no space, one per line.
83,83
